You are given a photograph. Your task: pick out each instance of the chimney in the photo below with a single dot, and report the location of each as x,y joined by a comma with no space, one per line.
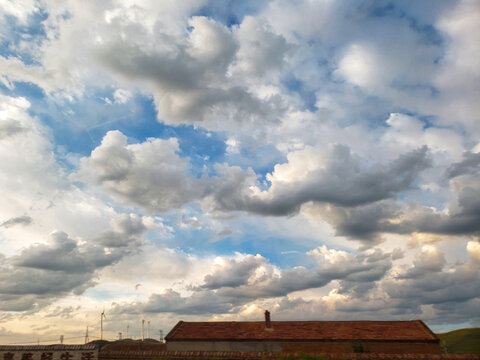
268,323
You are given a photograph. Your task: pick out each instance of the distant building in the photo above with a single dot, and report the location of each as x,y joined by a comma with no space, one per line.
390,337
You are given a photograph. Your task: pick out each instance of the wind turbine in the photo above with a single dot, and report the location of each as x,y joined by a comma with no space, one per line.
87,339
102,316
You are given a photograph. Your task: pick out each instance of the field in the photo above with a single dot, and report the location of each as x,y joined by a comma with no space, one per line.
463,341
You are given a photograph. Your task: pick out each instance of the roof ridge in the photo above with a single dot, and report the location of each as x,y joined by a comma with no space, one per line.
424,326
298,321
175,328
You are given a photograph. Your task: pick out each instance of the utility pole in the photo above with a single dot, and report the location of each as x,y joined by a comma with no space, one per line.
128,326
161,335
87,339
61,339
119,336
143,324
148,329
102,316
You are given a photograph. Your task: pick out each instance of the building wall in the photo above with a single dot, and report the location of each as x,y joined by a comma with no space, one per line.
39,352
365,347
223,346
313,347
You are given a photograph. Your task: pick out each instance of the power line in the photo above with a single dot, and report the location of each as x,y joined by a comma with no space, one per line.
51,340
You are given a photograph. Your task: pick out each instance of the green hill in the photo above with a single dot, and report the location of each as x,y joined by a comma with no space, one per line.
463,341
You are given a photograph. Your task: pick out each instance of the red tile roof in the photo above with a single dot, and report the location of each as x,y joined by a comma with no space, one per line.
302,331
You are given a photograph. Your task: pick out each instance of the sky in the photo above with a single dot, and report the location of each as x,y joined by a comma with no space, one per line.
207,160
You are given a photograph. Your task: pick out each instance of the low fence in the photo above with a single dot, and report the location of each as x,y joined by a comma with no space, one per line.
235,355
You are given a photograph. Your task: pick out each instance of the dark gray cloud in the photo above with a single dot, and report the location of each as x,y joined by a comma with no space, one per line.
436,287
200,302
450,292
189,76
332,265
357,199
63,312
363,223
237,282
458,312
43,272
127,231
367,289
469,165
261,50
428,282
66,256
20,220
366,223
22,302
463,216
25,288
150,174
342,181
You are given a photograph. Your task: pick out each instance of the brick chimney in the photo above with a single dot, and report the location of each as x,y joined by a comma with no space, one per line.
268,323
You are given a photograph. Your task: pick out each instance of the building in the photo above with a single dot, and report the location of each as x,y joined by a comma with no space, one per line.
388,337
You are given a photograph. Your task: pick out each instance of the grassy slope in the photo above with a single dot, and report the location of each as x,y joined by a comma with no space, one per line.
466,341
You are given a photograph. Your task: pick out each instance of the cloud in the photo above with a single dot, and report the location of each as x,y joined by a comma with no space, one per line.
302,101
261,50
20,220
121,96
407,132
150,174
469,165
34,181
266,281
65,255
359,66
184,77
436,287
235,282
202,302
364,223
27,136
211,43
431,288
356,197
473,248
462,217
337,177
9,127
186,67
127,231
21,10
459,75
232,272
368,222
42,272
429,260
24,288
